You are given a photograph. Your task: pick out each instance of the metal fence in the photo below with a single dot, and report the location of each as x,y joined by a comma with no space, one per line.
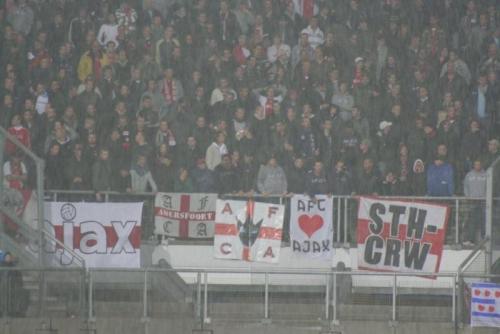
202,296
463,212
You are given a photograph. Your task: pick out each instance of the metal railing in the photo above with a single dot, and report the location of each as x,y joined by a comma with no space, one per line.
6,137
138,293
36,236
492,215
345,210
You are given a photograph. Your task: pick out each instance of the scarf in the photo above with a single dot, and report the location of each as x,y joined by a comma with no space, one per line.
170,91
141,171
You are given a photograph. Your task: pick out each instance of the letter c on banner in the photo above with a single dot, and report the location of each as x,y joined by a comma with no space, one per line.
225,248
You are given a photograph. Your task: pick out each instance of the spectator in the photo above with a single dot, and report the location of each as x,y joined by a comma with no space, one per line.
215,151
108,32
475,187
314,34
271,179
183,183
18,131
102,173
440,178
418,178
164,171
492,154
78,170
483,102
141,178
21,17
296,176
368,179
248,170
15,172
54,167
226,176
340,181
203,178
316,182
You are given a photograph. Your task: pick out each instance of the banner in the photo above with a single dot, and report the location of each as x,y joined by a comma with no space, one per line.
311,226
400,236
249,231
185,215
103,234
485,305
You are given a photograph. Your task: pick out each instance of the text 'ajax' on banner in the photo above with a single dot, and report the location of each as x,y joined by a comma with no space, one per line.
249,231
400,236
103,234
311,226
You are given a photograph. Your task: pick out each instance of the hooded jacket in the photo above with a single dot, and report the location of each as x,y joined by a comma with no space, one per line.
440,180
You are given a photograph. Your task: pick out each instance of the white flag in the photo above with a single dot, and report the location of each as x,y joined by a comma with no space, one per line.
249,231
311,226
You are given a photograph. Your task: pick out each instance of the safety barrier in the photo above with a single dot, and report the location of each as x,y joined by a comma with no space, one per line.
345,211
329,296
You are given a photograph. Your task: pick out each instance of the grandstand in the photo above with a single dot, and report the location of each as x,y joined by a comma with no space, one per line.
249,166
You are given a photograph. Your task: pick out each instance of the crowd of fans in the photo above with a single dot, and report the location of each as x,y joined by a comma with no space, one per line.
387,97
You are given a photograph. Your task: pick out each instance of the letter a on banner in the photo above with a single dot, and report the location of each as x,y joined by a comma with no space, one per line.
249,231
311,226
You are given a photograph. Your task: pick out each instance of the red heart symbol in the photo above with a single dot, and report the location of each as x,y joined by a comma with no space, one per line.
310,224
497,294
477,292
491,308
480,307
487,293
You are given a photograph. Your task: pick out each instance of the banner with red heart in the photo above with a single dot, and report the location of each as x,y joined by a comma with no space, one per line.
310,224
311,221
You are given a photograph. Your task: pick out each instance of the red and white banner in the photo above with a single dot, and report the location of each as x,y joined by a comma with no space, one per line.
249,231
103,234
311,226
400,236
185,215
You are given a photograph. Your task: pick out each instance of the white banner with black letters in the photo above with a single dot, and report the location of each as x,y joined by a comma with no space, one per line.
400,236
311,226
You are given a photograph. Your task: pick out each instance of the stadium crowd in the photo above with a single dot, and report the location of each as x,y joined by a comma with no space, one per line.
387,97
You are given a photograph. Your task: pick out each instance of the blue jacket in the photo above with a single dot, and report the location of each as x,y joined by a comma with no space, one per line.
440,180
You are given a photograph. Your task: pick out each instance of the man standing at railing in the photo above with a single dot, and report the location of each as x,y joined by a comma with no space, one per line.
440,178
475,187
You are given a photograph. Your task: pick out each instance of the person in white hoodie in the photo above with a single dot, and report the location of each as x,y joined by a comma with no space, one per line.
108,32
475,188
215,151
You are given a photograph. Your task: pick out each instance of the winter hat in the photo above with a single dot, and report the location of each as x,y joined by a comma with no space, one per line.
384,124
418,164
